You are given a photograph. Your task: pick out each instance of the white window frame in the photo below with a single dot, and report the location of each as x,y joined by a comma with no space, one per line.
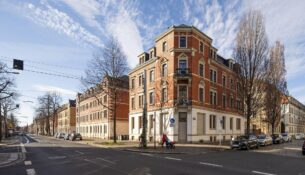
185,41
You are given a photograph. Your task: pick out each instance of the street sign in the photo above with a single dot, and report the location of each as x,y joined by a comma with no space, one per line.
172,120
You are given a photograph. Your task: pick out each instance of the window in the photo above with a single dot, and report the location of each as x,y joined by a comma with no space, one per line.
232,102
140,101
164,46
140,80
164,95
212,122
151,121
140,122
213,97
151,76
105,114
238,123
151,98
201,69
182,41
132,103
200,123
223,122
132,122
201,46
151,54
213,75
105,99
105,129
232,84
224,101
201,94
164,70
231,123
141,60
182,92
238,104
132,83
223,80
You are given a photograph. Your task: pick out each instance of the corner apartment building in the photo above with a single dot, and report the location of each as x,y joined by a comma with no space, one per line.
293,116
66,117
189,84
94,114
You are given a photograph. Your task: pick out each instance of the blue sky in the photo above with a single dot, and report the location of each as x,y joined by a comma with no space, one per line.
60,36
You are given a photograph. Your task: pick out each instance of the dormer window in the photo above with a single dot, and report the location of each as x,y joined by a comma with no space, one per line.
151,54
182,42
141,59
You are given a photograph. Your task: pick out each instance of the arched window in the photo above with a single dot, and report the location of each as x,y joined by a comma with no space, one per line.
164,70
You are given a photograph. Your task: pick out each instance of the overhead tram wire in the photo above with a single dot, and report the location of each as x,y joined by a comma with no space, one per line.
38,62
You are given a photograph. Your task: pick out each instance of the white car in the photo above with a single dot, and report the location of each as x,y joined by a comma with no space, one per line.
299,136
286,137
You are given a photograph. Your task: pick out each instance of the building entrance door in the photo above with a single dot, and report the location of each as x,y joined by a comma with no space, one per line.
182,130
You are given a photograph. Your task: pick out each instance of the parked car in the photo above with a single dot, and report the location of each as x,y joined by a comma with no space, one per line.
303,148
264,140
67,136
245,142
277,138
286,137
76,136
61,135
299,136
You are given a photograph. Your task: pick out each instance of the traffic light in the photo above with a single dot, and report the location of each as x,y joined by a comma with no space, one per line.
18,64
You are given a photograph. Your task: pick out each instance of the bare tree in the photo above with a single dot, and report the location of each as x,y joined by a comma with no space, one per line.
250,53
276,85
6,89
106,72
49,104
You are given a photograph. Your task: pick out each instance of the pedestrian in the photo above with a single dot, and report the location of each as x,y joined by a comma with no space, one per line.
164,139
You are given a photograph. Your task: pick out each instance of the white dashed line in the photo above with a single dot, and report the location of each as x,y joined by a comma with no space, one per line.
263,173
210,164
105,160
79,152
30,172
146,154
171,158
22,148
27,163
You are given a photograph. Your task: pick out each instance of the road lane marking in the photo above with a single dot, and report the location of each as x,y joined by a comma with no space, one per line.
79,152
30,172
27,163
210,164
27,140
105,160
22,148
146,154
172,158
263,173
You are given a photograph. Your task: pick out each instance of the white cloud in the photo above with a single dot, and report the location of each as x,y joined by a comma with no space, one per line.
59,21
46,88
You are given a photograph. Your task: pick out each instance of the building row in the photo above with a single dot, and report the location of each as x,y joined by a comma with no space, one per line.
188,89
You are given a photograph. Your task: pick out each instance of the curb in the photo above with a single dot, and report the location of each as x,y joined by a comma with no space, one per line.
14,159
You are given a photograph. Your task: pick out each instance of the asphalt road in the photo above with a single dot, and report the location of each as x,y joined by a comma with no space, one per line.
47,156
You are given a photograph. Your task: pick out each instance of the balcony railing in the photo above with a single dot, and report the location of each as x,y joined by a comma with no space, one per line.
183,102
183,72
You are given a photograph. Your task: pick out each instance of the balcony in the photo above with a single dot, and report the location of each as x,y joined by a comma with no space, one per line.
183,102
183,72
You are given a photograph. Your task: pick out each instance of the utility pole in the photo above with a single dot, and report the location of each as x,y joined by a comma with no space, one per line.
144,131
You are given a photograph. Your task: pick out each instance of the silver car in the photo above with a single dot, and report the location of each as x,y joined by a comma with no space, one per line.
264,140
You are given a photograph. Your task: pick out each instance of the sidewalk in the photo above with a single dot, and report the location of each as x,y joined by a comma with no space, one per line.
134,147
8,158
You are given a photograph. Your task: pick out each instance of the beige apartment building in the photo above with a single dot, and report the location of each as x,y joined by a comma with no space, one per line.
95,111
293,116
66,117
191,90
